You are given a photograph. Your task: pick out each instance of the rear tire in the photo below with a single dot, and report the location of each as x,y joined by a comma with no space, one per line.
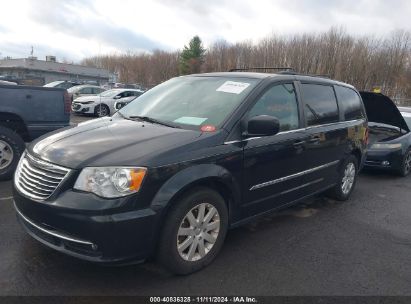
405,164
188,243
12,147
347,179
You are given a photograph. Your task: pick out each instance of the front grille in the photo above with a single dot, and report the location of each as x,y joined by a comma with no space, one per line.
38,179
76,106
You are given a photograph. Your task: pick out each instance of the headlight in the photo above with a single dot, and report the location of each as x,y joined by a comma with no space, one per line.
85,102
386,146
110,182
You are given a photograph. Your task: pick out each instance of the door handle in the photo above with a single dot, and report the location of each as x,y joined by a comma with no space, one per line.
298,143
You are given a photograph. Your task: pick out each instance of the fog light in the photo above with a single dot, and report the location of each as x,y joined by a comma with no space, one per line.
385,163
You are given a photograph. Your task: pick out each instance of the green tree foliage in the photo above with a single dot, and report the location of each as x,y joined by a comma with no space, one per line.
192,57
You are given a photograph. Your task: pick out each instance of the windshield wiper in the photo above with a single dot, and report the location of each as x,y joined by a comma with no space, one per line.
155,121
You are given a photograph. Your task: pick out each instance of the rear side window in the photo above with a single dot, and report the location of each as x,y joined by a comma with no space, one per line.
96,90
350,103
320,104
86,91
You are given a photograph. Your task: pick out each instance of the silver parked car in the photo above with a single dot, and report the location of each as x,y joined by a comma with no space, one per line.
103,104
84,90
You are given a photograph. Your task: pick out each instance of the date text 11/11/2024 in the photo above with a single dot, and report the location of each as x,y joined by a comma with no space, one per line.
203,299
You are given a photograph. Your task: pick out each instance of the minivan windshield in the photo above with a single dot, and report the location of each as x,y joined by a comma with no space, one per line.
191,101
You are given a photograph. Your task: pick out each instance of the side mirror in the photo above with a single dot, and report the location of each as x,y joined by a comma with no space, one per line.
263,125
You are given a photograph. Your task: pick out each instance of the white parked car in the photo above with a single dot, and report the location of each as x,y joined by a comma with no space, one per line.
84,90
63,84
3,82
121,103
103,104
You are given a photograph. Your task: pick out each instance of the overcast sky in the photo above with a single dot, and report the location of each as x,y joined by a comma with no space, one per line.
74,29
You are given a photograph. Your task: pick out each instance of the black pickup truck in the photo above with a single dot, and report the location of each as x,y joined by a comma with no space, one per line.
26,113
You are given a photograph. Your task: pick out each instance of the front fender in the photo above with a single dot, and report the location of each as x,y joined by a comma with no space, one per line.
197,175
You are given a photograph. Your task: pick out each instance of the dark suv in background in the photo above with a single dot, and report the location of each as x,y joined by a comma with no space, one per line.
171,172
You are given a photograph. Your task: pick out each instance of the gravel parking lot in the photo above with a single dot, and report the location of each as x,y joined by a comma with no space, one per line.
322,247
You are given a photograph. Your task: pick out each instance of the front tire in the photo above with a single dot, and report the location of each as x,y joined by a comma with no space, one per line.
12,147
101,110
194,232
347,179
405,164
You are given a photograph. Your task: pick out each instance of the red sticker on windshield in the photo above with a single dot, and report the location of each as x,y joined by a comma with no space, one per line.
208,128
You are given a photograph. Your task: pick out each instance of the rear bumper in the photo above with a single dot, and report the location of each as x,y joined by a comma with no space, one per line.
384,159
97,236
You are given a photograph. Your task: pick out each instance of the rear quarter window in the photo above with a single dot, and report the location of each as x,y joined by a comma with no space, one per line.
320,104
349,103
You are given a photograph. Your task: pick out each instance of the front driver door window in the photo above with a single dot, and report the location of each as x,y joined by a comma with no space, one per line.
280,102
272,162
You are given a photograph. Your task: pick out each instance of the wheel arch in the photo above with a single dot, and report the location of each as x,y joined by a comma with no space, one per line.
205,175
357,153
14,122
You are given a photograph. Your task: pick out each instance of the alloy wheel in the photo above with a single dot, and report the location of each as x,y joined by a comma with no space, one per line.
6,154
102,111
198,232
348,178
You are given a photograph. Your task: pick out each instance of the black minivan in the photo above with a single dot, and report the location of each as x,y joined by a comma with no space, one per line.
167,175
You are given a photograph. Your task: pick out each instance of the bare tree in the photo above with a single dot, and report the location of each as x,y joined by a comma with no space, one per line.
366,62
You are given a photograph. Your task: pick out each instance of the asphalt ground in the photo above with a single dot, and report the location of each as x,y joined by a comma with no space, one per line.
321,247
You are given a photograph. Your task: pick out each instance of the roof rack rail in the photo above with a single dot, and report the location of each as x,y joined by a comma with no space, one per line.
322,75
282,70
302,74
260,68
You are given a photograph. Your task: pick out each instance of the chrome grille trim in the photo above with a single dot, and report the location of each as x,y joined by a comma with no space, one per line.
51,232
38,179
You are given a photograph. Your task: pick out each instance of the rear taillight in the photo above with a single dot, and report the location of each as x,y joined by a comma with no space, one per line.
67,103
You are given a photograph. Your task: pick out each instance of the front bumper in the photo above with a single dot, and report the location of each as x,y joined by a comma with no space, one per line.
82,108
384,159
116,236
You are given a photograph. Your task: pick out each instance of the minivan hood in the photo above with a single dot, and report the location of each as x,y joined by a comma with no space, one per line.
109,142
381,109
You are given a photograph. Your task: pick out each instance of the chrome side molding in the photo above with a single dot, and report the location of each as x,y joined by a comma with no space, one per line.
285,178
